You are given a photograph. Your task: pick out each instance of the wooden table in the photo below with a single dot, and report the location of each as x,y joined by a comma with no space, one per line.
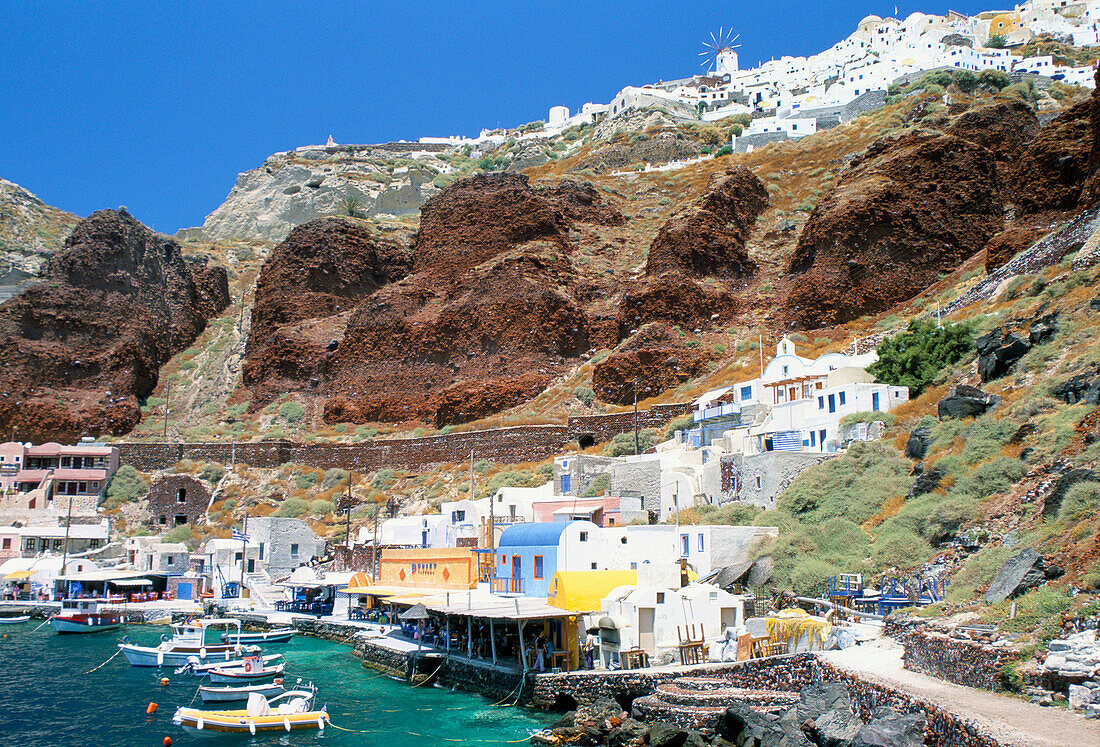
634,658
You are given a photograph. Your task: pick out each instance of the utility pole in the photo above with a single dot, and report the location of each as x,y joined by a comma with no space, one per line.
760,348
244,554
635,416
167,398
347,522
374,547
65,549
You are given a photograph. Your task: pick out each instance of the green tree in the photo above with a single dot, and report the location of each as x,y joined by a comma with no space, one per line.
353,206
914,357
126,486
997,41
995,78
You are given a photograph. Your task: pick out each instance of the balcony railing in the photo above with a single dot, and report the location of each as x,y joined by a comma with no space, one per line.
506,585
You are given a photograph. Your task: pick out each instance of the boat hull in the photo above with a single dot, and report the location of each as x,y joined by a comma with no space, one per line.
271,636
14,620
236,694
67,625
150,656
199,723
239,676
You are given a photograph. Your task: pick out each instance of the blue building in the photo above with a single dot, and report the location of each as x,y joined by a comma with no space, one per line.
528,555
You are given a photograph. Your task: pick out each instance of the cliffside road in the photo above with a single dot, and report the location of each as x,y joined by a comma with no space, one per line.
1010,721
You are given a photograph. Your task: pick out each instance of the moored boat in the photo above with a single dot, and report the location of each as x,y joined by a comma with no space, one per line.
83,616
252,669
231,693
279,635
291,711
14,620
196,667
188,640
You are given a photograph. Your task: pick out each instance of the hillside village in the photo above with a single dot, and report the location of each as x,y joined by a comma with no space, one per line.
759,368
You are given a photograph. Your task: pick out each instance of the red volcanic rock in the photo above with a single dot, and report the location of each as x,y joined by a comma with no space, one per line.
1051,173
82,346
479,217
1008,243
708,238
1091,193
656,357
674,299
323,269
907,210
1004,126
489,316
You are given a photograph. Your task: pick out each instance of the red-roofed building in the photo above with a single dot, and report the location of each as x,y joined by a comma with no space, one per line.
48,475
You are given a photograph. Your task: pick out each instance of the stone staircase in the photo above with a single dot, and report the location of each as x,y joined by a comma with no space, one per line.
261,591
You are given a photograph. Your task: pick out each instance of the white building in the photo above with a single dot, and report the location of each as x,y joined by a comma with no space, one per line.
653,618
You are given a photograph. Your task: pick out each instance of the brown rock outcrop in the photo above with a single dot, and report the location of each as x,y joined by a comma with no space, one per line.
487,318
708,238
905,211
674,299
1003,125
1051,172
82,346
657,357
1008,243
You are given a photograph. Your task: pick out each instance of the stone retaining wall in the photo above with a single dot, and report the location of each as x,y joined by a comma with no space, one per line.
784,673
507,445
957,660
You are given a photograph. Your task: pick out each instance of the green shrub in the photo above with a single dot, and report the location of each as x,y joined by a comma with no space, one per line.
321,507
679,424
598,487
868,417
853,485
811,577
585,395
292,508
383,478
291,412
212,472
725,150
994,476
181,533
623,443
306,481
985,437
996,41
914,357
1080,502
900,550
978,571
126,486
333,477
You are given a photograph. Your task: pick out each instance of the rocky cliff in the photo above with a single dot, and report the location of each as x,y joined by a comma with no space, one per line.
82,346
30,230
293,188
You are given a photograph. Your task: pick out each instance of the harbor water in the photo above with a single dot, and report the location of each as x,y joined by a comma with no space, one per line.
48,699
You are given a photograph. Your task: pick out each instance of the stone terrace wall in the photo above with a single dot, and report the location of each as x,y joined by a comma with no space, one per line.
510,445
789,673
604,427
957,660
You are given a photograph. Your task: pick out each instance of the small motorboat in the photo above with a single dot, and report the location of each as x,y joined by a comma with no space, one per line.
188,640
279,635
14,620
195,666
83,616
253,668
291,711
231,693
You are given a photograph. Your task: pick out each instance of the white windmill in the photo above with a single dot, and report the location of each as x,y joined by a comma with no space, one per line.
718,54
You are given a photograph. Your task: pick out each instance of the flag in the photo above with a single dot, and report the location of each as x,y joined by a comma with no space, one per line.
238,535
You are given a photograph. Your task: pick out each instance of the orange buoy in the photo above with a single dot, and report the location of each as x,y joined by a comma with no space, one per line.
152,708
164,682
168,742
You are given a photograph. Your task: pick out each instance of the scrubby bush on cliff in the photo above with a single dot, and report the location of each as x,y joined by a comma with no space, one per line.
126,486
853,485
623,444
182,533
292,508
597,487
914,357
212,472
1081,501
291,412
321,507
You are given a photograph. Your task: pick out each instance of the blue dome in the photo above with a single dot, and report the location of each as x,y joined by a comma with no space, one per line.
543,534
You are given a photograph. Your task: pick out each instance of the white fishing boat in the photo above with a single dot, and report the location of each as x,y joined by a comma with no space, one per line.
14,620
252,669
196,667
188,640
83,616
291,711
231,693
279,635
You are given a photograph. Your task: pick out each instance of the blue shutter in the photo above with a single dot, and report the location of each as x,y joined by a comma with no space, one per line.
565,479
787,441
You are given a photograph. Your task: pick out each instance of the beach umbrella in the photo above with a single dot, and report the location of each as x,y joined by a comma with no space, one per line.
416,612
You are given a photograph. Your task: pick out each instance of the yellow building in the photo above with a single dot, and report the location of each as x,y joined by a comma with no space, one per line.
1004,24
582,591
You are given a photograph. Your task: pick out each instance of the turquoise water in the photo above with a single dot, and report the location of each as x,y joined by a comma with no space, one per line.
46,699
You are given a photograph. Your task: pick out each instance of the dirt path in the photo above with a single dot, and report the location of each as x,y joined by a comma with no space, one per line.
1010,721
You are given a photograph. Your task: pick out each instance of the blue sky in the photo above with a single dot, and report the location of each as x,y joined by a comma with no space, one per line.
158,105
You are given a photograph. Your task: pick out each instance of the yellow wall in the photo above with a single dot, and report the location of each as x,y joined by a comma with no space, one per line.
1005,23
582,591
450,568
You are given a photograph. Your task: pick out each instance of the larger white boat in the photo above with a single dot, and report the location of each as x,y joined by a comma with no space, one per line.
83,616
188,641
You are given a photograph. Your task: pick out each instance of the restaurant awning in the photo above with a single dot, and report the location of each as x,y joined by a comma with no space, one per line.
583,591
17,575
131,582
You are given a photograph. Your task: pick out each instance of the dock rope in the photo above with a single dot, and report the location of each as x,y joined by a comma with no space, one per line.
428,678
48,618
116,653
